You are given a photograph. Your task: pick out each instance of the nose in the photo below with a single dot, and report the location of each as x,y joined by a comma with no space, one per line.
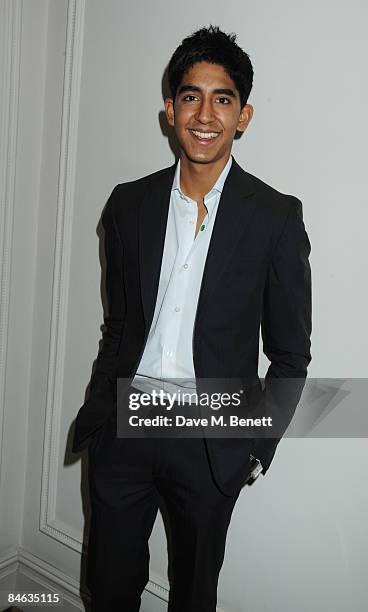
205,112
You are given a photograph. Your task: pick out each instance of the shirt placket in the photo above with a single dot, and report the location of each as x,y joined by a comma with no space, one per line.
185,220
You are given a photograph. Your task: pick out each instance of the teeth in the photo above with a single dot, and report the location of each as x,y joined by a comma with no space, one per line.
204,134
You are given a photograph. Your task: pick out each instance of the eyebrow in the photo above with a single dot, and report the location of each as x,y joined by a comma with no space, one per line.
190,87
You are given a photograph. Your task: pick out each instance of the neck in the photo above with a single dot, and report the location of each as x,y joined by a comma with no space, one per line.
196,180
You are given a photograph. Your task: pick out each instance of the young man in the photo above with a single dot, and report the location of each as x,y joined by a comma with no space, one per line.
199,256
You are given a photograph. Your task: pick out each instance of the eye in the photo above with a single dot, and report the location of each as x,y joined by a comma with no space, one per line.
227,101
188,96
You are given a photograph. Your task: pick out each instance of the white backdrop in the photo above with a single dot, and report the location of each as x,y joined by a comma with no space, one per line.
90,116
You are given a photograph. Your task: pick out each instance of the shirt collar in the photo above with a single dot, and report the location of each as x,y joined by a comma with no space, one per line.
209,200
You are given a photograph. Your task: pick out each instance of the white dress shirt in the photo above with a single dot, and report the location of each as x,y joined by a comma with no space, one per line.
168,353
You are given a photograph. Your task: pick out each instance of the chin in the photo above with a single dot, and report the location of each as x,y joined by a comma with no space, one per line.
204,157
200,159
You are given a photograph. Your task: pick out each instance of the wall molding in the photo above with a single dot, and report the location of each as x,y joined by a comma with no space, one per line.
62,254
8,563
49,578
10,49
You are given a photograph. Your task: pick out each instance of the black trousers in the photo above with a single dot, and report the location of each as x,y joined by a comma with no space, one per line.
129,478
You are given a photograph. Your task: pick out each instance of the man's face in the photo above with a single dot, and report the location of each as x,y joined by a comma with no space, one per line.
208,102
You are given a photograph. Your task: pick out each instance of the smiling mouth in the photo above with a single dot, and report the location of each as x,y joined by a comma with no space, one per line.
204,137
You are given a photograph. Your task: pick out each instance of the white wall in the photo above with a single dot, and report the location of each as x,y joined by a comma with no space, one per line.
88,117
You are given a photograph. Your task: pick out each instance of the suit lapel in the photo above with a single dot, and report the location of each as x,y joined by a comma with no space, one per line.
233,216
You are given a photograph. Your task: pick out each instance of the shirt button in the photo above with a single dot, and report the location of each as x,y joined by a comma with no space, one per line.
185,266
177,308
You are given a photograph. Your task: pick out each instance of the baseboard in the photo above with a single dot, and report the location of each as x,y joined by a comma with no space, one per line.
22,571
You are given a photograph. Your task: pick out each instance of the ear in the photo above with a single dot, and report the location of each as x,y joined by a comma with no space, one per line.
170,112
245,116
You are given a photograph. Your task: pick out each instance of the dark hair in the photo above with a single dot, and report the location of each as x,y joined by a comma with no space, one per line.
213,46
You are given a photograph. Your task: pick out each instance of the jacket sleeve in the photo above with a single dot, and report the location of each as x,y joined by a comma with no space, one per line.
286,328
102,387
106,362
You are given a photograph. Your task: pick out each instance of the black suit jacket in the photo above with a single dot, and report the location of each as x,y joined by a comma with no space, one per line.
256,277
